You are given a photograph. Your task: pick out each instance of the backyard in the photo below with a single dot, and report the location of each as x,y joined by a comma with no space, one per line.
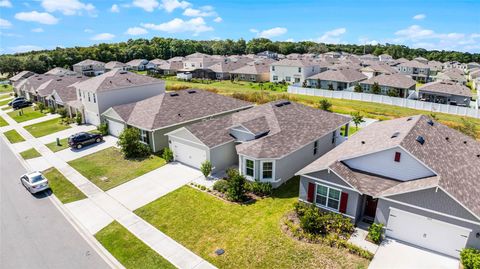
28,114
46,127
65,191
108,168
250,234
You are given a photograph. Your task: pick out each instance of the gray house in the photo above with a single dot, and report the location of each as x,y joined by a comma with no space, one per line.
445,92
416,176
339,79
163,113
420,72
89,67
390,84
269,142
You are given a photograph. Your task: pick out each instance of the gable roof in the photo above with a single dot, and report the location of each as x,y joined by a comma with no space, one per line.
391,80
173,108
58,83
295,62
60,71
255,68
114,64
447,87
341,75
21,75
89,62
453,156
414,64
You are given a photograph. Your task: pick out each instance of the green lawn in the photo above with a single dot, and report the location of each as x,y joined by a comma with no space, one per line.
30,154
108,168
46,127
6,108
65,191
28,114
13,136
54,147
5,101
3,122
6,88
250,234
128,249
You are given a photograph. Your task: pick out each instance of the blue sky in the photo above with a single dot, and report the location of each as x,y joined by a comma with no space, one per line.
46,24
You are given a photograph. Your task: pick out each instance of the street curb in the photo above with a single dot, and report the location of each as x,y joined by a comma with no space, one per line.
90,239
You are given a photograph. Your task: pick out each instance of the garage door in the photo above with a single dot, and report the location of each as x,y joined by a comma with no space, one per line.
425,232
92,118
188,155
115,128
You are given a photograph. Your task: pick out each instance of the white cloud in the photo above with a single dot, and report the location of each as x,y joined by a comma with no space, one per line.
290,40
5,24
147,5
69,7
253,30
195,25
171,5
35,16
367,41
88,30
37,30
115,8
415,32
273,32
136,31
419,17
103,36
5,3
205,11
332,36
24,48
218,19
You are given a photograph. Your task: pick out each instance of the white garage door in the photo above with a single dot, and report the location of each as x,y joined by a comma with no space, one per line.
425,232
92,118
115,128
188,155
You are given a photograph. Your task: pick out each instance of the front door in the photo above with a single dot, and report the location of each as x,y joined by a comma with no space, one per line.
370,207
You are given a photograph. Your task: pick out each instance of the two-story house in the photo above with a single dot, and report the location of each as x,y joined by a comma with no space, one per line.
420,72
89,68
294,71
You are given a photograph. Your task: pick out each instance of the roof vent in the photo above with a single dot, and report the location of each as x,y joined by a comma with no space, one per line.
420,140
59,79
191,91
409,119
465,142
430,122
123,72
173,94
447,138
395,134
363,142
283,104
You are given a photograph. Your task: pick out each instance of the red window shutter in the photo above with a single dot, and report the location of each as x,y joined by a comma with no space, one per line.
343,202
397,156
311,192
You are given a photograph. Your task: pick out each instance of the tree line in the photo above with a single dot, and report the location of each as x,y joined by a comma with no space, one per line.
165,48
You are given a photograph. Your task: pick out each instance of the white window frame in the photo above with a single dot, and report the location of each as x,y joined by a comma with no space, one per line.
287,78
273,170
94,98
275,77
143,135
327,197
245,168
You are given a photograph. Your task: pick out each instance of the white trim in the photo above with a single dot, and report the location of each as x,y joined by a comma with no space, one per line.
413,156
245,169
273,170
328,197
409,191
328,209
189,141
430,211
435,220
331,183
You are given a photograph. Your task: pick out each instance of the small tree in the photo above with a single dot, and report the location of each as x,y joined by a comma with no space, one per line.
393,93
236,188
129,143
41,106
357,119
167,155
206,168
325,105
78,118
330,87
376,88
103,128
358,88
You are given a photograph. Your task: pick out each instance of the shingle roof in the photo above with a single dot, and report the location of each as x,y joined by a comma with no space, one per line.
89,62
253,69
22,75
393,80
453,156
60,71
137,62
114,64
166,109
57,83
414,64
290,127
295,62
446,87
341,75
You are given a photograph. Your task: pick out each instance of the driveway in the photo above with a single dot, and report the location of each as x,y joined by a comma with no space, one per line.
152,185
66,133
398,255
72,154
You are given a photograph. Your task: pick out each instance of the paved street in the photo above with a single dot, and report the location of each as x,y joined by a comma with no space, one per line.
33,232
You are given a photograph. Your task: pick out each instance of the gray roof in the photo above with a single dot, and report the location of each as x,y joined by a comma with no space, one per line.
166,109
455,160
60,71
253,69
296,62
393,80
290,127
341,75
57,83
413,63
227,67
89,62
137,62
22,75
446,87
115,79
114,64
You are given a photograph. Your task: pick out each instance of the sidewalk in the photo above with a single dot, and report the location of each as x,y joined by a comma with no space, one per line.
171,250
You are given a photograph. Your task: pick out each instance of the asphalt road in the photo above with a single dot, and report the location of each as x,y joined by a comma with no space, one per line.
33,232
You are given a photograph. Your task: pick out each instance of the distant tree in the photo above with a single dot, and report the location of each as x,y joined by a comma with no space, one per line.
376,88
357,118
325,105
358,88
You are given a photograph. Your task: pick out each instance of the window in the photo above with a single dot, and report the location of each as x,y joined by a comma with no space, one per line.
249,168
88,96
287,78
267,170
273,68
299,70
297,80
315,147
94,98
275,77
328,197
80,95
397,156
144,136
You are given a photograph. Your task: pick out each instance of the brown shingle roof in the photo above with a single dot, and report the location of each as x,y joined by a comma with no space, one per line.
341,75
393,80
446,87
57,83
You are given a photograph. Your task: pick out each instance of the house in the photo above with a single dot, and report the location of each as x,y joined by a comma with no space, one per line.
445,92
59,71
472,65
396,85
115,65
171,66
338,80
294,71
417,177
268,54
421,60
385,58
15,80
420,72
474,73
455,75
56,83
377,69
223,69
65,97
455,65
163,113
89,68
258,71
153,64
113,88
268,142
198,61
28,87
369,58
137,64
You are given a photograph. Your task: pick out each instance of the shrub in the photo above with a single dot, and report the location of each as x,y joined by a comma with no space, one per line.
393,93
376,88
358,88
62,112
129,143
221,185
470,258
236,188
51,110
325,105
375,232
78,118
231,172
357,118
167,155
310,221
41,106
259,188
103,128
330,87
314,221
300,208
206,168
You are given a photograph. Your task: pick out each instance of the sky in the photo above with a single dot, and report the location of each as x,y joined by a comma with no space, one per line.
45,24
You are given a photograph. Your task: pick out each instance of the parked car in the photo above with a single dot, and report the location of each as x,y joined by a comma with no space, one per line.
16,99
34,182
21,104
83,139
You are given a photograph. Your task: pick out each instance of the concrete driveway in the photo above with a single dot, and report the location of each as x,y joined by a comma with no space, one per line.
72,154
152,185
398,255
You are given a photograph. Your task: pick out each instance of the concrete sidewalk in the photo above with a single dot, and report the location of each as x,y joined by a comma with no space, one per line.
38,120
66,133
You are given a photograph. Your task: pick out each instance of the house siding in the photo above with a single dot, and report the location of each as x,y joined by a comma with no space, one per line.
223,156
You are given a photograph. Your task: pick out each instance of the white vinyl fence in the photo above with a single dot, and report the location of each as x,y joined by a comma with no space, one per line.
383,99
